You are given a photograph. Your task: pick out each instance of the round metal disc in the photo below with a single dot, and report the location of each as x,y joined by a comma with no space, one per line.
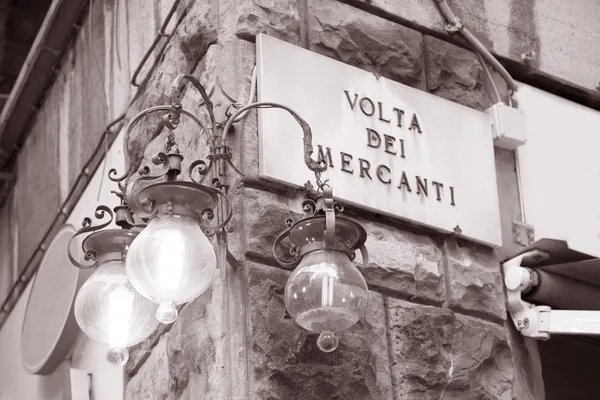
108,241
191,195
312,229
49,327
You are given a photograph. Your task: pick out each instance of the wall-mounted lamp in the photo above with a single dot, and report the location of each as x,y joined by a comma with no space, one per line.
171,260
326,293
107,307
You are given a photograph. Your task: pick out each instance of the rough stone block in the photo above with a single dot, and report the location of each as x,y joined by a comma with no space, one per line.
454,73
562,34
366,41
475,279
198,31
141,352
277,18
404,262
285,360
437,354
189,360
264,217
153,378
457,75
401,261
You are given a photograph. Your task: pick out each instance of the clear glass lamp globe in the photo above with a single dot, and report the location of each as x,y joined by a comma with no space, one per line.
109,310
326,294
171,262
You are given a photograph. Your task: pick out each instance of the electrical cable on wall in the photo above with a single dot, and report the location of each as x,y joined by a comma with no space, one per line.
455,26
490,78
251,96
485,56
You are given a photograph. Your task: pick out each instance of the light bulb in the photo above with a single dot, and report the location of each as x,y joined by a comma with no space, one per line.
171,262
326,294
109,310
120,303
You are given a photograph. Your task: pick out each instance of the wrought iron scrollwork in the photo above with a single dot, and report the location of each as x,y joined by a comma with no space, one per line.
87,227
201,168
172,113
323,207
208,214
207,102
134,203
293,251
313,165
309,206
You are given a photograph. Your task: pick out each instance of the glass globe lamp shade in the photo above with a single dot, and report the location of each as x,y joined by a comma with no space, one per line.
171,262
109,310
326,294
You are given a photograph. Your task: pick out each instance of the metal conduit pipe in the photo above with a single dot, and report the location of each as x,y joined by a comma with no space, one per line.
457,26
565,293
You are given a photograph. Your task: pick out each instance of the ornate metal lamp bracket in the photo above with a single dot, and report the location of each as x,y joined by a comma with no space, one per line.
90,255
209,214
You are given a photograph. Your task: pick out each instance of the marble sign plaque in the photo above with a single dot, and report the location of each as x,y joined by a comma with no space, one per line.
390,148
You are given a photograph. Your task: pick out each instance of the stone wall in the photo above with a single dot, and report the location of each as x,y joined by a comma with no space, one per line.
436,325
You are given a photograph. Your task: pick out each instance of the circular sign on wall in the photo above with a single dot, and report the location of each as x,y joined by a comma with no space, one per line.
49,327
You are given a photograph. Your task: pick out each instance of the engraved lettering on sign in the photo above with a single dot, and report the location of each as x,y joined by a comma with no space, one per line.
364,168
438,187
381,113
381,175
415,123
399,115
325,156
391,146
367,107
422,187
404,183
373,138
346,159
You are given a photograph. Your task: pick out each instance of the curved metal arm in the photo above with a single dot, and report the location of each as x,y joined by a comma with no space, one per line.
313,165
132,200
196,83
201,167
365,256
88,228
276,243
134,121
328,208
211,230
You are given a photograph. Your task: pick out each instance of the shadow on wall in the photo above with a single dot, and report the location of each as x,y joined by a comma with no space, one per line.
570,367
